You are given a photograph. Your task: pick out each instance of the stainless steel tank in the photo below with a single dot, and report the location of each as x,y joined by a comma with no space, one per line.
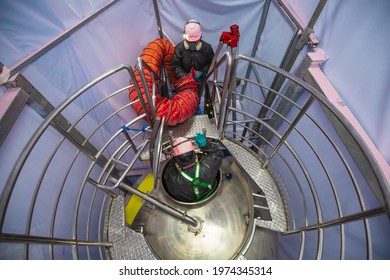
225,220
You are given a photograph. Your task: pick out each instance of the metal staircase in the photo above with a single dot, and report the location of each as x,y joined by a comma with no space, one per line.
296,191
267,195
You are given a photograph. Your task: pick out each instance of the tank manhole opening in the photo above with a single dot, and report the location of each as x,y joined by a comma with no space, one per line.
214,191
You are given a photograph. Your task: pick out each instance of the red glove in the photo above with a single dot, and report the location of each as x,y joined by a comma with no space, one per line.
193,71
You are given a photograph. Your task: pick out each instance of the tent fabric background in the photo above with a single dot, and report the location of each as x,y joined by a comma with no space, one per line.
354,36
353,33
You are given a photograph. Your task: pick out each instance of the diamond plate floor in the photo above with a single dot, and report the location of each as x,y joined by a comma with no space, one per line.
128,244
191,127
265,181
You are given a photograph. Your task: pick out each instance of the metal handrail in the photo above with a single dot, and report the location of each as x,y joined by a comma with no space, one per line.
26,152
51,241
104,179
4,200
222,98
151,100
273,150
328,138
182,216
326,103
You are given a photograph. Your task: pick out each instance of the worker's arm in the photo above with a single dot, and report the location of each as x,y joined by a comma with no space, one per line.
209,149
176,62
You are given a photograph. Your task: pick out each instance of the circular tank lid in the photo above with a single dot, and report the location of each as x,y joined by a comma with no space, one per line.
225,224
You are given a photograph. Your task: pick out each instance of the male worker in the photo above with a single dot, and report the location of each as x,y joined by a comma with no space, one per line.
192,55
187,178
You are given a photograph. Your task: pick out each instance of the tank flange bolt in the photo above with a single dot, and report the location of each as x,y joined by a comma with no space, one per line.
229,176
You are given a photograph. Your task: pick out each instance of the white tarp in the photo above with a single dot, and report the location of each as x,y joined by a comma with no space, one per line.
353,33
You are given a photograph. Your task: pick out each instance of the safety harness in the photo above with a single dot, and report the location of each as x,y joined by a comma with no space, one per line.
196,183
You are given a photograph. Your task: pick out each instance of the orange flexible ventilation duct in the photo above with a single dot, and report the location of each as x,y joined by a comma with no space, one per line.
177,108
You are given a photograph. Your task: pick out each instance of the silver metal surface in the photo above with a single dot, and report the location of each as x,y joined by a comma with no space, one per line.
128,244
266,183
191,126
226,222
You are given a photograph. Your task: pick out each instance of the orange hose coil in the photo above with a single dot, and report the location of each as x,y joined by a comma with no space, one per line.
177,108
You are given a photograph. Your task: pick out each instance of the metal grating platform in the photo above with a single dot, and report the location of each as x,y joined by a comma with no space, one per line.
191,127
128,244
265,181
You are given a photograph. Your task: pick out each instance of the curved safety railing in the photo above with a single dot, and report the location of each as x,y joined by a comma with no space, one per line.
61,169
332,206
55,202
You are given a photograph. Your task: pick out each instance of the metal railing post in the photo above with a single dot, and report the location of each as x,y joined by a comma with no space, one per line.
301,113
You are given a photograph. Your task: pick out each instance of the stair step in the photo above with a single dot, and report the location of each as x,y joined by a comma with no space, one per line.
128,244
263,179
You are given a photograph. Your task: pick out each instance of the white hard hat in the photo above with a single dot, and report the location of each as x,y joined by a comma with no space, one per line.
192,31
181,145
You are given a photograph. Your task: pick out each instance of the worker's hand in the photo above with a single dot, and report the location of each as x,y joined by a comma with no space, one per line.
198,74
200,140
